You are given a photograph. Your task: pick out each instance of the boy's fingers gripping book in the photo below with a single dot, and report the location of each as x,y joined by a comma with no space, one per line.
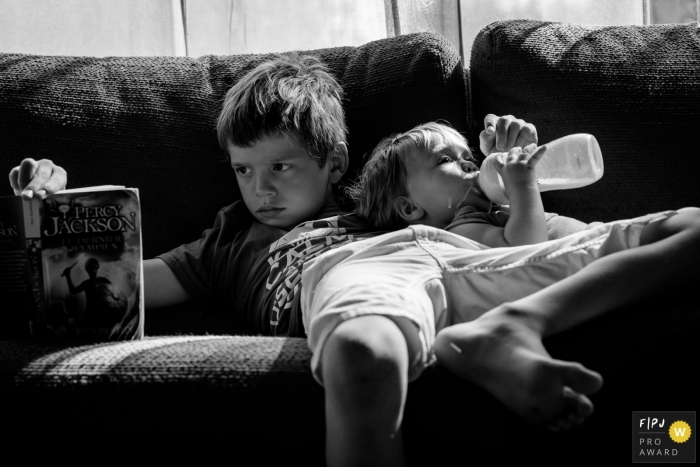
71,265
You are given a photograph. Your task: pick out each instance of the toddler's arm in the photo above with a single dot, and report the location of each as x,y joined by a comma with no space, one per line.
526,224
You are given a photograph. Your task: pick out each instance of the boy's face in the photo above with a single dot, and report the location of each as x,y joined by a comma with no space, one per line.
439,179
281,184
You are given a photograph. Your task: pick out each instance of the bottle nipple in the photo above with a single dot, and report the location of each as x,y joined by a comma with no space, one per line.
490,183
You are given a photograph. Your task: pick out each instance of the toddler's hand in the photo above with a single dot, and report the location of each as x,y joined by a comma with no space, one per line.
504,133
517,166
37,177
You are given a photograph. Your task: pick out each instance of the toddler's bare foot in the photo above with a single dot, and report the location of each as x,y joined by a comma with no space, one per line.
502,354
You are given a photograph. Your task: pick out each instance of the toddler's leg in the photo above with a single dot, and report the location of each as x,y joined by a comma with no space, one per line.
667,260
502,350
365,365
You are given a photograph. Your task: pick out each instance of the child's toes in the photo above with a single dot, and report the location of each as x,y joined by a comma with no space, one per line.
563,424
580,406
579,403
581,379
568,420
575,419
560,424
553,427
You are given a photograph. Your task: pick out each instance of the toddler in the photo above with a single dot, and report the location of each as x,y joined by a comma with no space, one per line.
442,287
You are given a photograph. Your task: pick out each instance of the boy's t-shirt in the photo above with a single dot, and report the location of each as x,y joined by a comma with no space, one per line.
256,269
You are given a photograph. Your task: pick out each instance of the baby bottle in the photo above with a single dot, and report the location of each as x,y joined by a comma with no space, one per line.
573,161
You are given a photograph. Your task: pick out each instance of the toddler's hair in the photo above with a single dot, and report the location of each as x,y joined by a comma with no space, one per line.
384,176
290,93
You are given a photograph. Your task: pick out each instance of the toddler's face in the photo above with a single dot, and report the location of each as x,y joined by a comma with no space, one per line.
281,183
441,178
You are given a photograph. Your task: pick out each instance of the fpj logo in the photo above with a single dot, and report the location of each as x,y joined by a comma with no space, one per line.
663,436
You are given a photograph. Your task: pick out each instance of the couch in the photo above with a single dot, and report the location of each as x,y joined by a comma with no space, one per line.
200,385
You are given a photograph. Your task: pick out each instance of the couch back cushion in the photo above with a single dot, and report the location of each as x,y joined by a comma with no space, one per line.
149,122
636,88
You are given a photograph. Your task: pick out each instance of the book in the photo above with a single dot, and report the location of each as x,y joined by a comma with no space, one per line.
71,265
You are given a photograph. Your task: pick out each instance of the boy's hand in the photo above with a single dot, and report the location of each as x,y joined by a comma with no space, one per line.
37,178
504,133
517,166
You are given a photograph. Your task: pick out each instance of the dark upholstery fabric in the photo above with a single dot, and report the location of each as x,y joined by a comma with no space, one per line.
214,397
254,399
637,89
149,122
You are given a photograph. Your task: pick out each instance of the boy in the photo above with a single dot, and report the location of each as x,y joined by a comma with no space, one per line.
283,127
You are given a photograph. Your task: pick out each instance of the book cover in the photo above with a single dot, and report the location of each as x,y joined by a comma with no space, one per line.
92,264
71,265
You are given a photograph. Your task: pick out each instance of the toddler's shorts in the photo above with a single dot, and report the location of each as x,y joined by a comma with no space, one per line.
425,279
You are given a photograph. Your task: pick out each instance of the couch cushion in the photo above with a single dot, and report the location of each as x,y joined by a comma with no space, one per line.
252,398
164,396
149,122
636,88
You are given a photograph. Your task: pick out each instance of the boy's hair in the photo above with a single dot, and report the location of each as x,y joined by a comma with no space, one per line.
384,176
290,93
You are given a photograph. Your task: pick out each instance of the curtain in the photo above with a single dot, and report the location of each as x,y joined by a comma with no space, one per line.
92,27
439,16
185,27
675,11
260,26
